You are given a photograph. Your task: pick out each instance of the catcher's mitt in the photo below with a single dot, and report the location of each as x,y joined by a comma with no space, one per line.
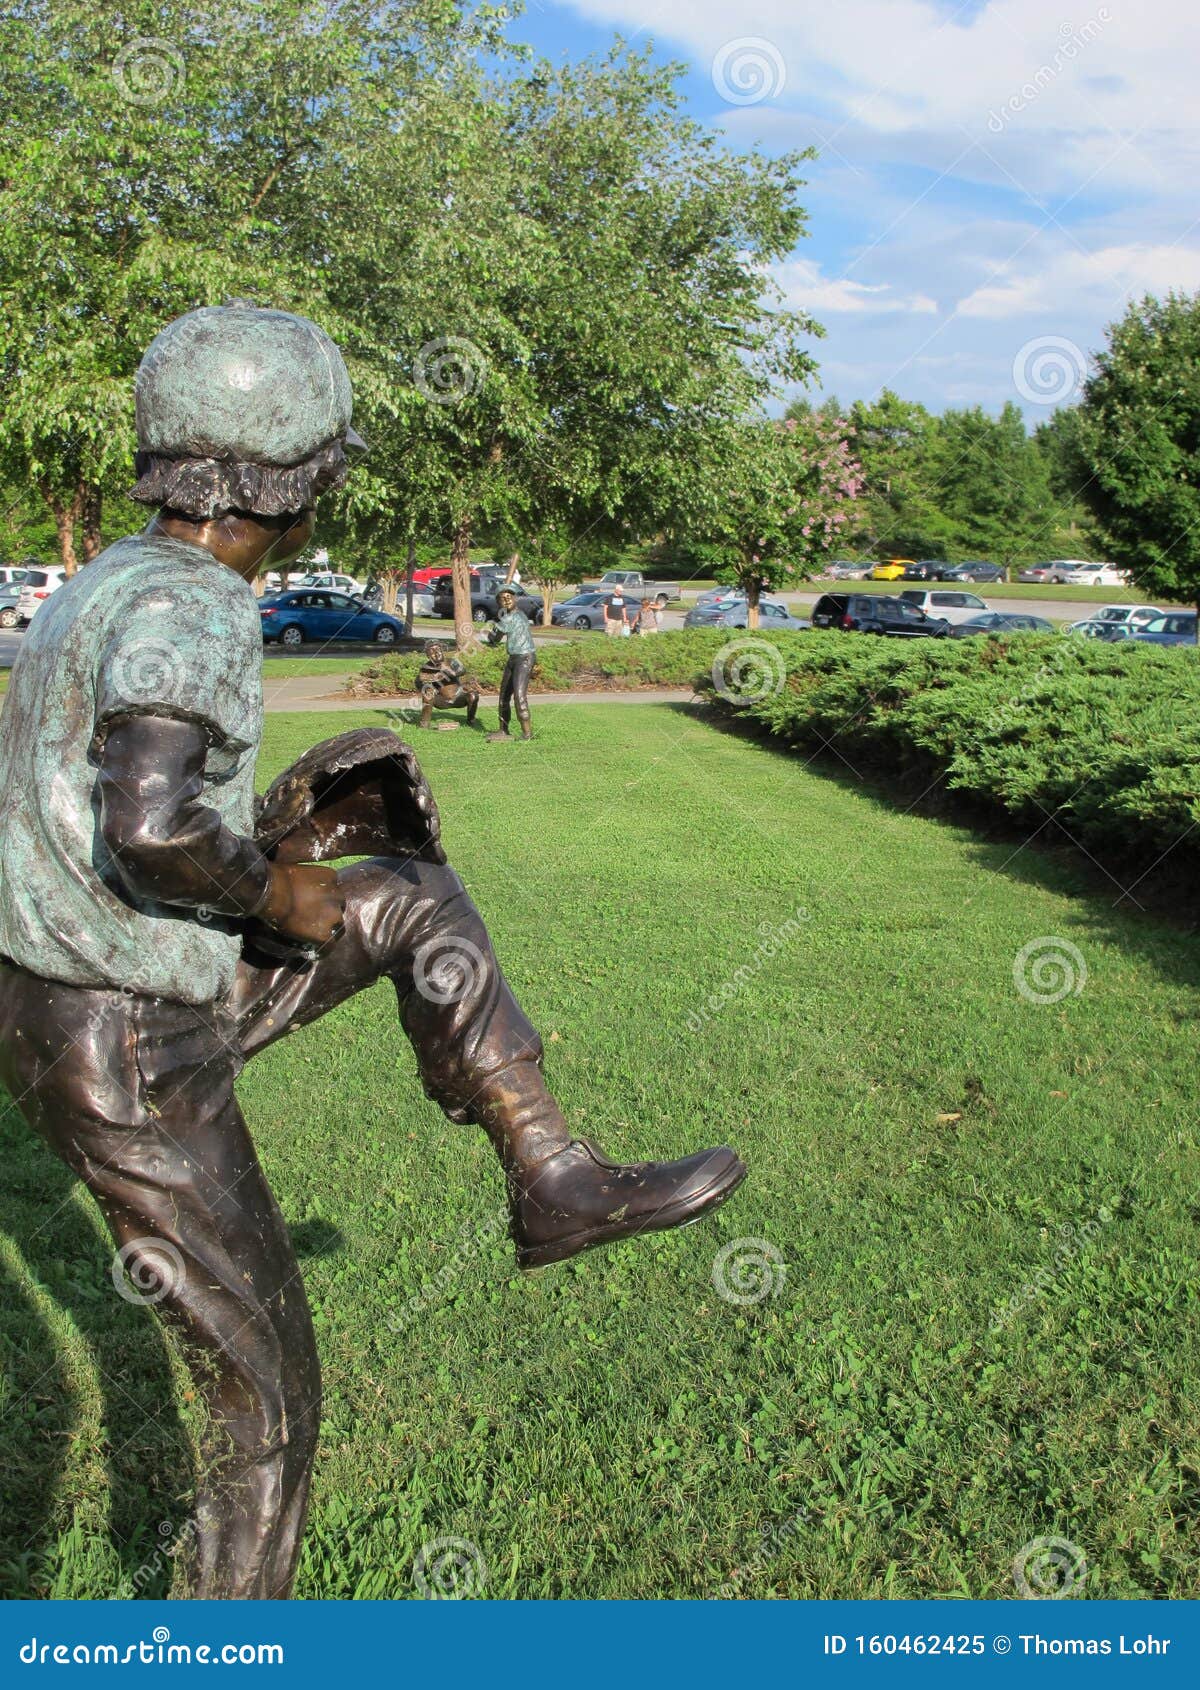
360,794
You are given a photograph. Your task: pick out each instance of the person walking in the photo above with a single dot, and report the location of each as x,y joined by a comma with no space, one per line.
649,617
616,616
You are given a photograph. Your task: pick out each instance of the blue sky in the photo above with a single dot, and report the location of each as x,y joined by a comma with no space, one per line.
996,179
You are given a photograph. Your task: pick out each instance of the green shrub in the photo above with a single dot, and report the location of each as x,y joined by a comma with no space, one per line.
1103,739
592,661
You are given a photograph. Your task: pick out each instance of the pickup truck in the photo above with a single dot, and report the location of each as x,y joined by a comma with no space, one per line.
634,582
485,588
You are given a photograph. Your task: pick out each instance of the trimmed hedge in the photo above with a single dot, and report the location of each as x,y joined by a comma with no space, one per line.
1103,739
592,662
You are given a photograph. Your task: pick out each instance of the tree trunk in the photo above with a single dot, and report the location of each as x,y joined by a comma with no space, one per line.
408,589
460,576
93,505
753,594
66,514
547,588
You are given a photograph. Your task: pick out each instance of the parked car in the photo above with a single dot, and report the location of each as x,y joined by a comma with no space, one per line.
713,594
1061,570
1002,622
976,571
485,586
925,569
1136,614
1091,628
734,613
848,571
11,577
8,604
945,602
308,614
1098,575
36,589
892,569
876,613
586,610
1035,572
1173,627
338,583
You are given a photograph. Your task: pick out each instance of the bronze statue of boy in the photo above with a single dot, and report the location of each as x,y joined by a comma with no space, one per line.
158,928
445,683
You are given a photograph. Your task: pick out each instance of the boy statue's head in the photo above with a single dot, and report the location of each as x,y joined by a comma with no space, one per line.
241,411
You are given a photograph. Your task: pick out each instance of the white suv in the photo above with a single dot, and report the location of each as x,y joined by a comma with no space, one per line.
946,604
35,589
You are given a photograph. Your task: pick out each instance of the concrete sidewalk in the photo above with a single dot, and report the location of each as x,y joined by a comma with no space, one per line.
321,692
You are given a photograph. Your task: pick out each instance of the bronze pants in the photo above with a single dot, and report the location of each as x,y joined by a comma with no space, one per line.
136,1095
514,688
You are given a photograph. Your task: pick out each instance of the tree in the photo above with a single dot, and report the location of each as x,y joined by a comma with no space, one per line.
777,497
1139,442
175,154
602,268
993,483
899,513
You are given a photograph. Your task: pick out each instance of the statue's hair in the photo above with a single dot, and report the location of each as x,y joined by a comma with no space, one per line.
207,487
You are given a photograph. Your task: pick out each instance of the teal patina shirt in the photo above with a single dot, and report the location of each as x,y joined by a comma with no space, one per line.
152,626
518,635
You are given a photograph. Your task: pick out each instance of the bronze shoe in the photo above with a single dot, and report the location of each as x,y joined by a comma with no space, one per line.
577,1198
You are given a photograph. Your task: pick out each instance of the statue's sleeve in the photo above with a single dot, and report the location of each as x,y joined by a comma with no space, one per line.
166,845
191,651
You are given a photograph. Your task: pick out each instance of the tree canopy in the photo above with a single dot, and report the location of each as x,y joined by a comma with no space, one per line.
1136,445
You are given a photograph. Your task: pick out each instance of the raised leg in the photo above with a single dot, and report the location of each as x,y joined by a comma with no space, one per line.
479,1057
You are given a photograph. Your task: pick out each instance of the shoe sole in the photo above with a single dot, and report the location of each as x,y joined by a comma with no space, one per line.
679,1215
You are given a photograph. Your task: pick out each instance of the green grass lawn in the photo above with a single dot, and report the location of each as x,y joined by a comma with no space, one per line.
984,1210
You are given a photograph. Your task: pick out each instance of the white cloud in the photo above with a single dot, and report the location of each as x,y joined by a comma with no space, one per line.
989,171
1111,276
806,289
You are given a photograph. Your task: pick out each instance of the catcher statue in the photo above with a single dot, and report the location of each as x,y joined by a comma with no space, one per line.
443,683
159,926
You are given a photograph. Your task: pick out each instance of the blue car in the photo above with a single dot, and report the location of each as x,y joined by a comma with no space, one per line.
311,614
1174,627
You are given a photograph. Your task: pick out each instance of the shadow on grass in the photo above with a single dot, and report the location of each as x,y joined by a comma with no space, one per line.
1130,901
145,1451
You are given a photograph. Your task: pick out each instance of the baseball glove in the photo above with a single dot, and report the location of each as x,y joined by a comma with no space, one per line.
359,794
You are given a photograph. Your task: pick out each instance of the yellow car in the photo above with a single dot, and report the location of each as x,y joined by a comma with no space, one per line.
892,570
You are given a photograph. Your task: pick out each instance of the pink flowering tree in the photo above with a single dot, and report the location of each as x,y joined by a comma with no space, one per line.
771,500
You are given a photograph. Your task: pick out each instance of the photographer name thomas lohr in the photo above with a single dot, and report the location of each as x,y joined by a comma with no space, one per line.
1032,1643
